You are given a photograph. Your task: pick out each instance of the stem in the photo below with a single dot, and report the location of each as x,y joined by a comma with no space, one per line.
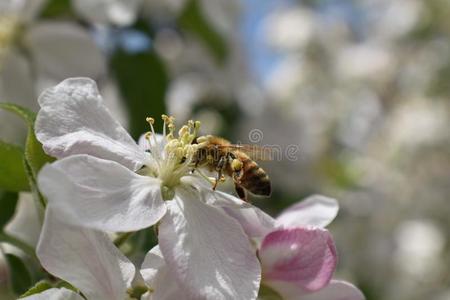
122,238
137,291
4,237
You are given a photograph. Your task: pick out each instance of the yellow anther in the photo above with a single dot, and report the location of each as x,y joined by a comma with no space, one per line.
183,131
171,127
148,135
191,150
173,143
150,120
167,119
236,165
196,130
179,152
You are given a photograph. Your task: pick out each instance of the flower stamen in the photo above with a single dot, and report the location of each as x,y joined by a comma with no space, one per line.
175,156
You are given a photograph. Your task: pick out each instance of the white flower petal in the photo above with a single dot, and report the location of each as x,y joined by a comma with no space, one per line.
221,199
73,120
152,264
336,290
101,194
55,294
85,258
207,250
158,277
316,210
213,197
25,224
62,49
145,144
117,12
253,220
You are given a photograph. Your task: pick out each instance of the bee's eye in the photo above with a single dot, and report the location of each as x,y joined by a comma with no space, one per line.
148,151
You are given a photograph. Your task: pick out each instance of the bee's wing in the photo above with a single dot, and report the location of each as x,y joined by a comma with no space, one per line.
253,151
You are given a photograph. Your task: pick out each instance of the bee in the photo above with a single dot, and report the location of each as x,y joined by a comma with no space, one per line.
235,161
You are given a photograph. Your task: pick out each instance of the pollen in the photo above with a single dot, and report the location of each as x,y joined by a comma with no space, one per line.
236,164
174,155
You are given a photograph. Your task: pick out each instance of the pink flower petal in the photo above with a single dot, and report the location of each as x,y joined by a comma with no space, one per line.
303,256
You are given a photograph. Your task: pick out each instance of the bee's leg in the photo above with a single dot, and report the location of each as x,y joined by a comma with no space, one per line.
237,176
220,166
195,166
218,177
240,191
238,170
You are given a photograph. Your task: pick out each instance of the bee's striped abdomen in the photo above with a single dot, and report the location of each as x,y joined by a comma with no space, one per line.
255,179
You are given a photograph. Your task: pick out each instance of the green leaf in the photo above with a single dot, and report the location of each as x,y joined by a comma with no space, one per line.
34,153
12,172
19,275
193,20
143,81
32,179
37,288
34,156
27,115
65,284
8,202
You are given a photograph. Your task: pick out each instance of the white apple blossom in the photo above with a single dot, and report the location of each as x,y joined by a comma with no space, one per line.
297,255
105,181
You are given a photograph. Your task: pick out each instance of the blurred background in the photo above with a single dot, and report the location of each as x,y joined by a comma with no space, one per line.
353,95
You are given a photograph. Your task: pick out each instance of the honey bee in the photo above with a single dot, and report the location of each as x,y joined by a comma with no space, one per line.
235,161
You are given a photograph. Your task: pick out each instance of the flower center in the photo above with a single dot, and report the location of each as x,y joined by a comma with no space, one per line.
172,155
